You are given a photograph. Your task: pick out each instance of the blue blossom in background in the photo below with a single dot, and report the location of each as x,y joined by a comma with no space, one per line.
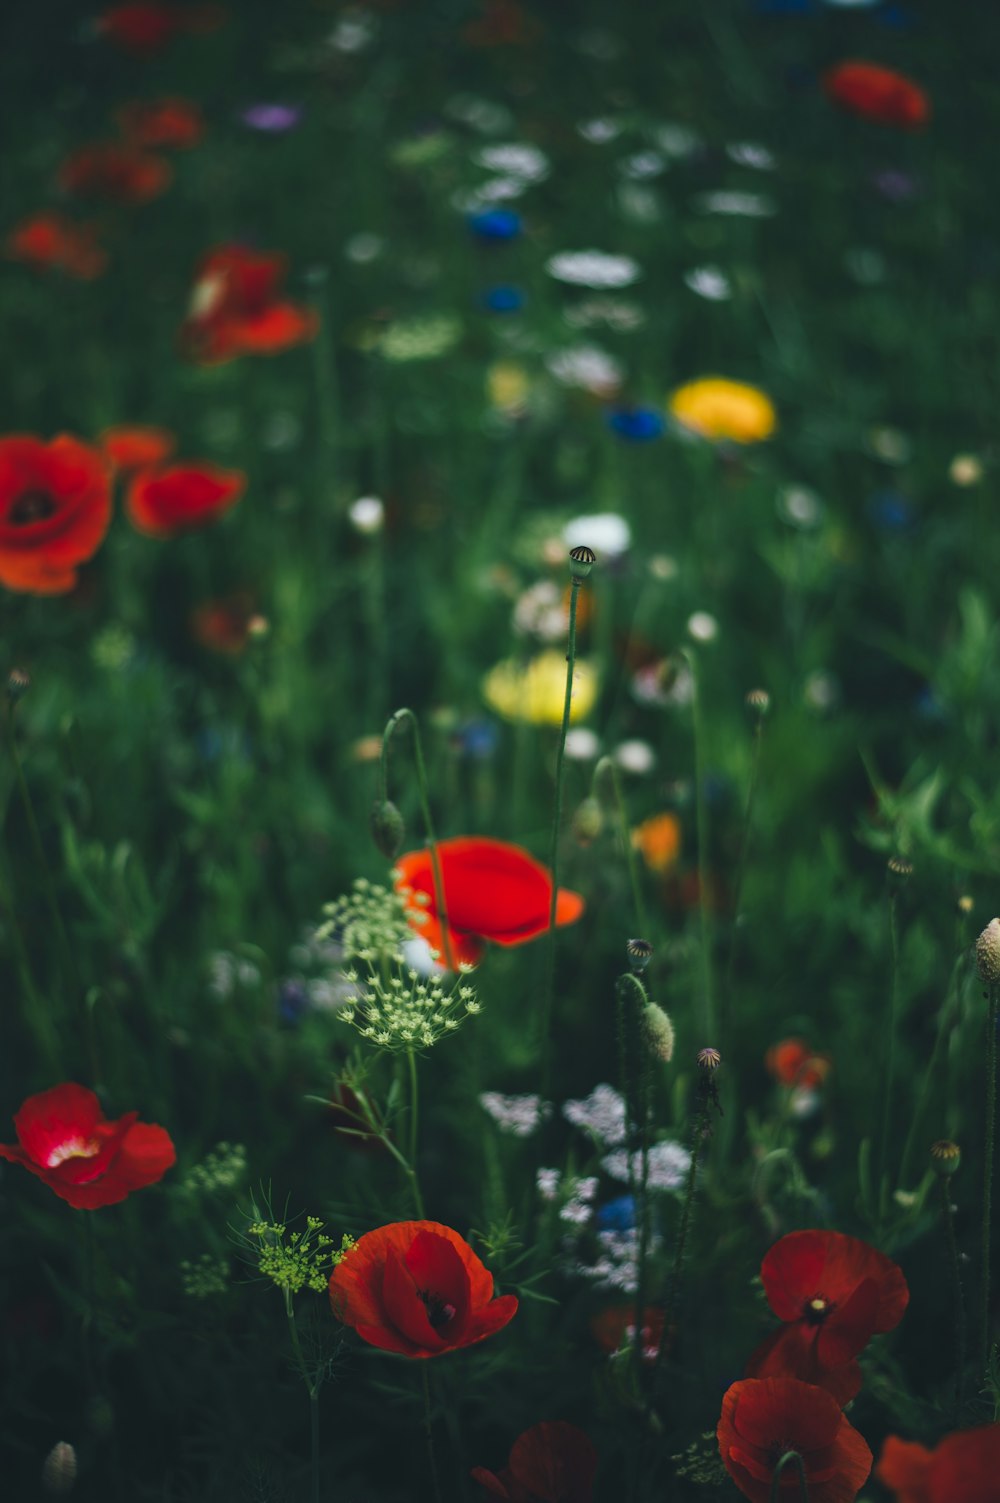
636,424
494,224
617,1215
890,512
502,299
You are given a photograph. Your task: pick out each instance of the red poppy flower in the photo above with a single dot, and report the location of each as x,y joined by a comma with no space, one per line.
236,308
794,1063
417,1288
115,173
878,94
161,503
226,625
169,123
963,1468
553,1462
762,1418
492,891
135,447
64,1138
50,241
55,507
834,1292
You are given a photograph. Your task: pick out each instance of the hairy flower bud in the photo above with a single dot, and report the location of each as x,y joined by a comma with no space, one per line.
658,1032
988,953
387,827
59,1470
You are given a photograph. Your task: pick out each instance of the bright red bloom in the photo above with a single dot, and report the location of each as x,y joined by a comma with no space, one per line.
794,1063
236,308
171,123
64,1138
553,1462
50,241
834,1292
878,94
162,503
417,1288
963,1468
136,447
55,507
492,890
762,1418
115,173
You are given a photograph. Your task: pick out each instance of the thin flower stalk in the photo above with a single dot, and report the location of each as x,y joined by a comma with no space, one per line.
991,1112
439,895
889,1072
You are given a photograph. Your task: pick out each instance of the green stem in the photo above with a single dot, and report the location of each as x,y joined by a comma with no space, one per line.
741,866
429,1432
637,1111
701,815
548,989
607,765
312,1387
890,1060
673,1289
788,1457
425,809
931,1072
414,1125
948,1217
991,1112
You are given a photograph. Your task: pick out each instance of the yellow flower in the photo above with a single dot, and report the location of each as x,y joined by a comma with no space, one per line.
536,691
507,386
718,409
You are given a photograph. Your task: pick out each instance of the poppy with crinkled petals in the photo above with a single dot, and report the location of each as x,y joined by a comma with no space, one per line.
236,308
162,503
51,242
878,94
64,1138
964,1467
554,1462
172,124
763,1418
55,507
115,173
136,446
834,1293
417,1288
492,891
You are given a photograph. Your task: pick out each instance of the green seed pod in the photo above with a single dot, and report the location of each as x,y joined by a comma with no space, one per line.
945,1157
658,1032
388,828
581,561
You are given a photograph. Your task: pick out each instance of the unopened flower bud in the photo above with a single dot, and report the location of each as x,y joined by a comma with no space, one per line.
658,1032
945,1157
59,1470
758,702
388,828
988,953
18,683
588,821
581,560
639,952
709,1059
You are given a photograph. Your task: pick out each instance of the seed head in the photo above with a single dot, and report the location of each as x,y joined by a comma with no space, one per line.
581,560
59,1470
758,702
988,953
945,1157
18,683
639,952
709,1060
387,828
658,1032
900,868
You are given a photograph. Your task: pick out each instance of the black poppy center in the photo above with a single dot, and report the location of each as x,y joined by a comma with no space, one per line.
439,1312
31,506
815,1310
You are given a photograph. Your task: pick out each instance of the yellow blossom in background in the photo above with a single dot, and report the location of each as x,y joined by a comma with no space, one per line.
535,691
507,386
659,841
721,409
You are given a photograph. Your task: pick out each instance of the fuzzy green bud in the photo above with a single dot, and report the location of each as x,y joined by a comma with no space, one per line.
388,828
59,1470
988,953
945,1157
588,821
658,1032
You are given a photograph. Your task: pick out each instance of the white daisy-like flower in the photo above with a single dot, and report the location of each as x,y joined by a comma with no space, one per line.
606,532
366,515
751,154
586,366
739,205
677,141
582,744
667,1167
515,159
601,1113
547,1183
643,164
599,131
636,757
703,627
709,282
593,268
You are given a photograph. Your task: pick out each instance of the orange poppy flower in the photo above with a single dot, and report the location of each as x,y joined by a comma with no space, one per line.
878,94
135,447
236,308
492,891
417,1288
50,241
55,507
115,173
162,503
834,1293
794,1063
762,1418
554,1462
659,841
963,1468
170,123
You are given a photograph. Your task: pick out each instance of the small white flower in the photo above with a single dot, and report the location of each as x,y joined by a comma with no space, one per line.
575,1213
606,532
800,506
518,1115
751,154
668,1165
593,268
602,1113
636,757
676,140
643,164
586,366
703,627
366,514
482,114
515,159
742,205
599,131
582,744
547,1182
363,247
709,282
821,690
353,32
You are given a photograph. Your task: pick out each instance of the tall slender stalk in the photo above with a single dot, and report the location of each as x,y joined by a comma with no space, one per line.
757,700
701,815
636,1090
429,1432
312,1383
948,1219
606,767
991,1113
440,901
889,1073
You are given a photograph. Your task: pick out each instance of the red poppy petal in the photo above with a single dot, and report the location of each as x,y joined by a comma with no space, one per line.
847,1330
161,503
791,1272
905,1467
791,1352
965,1467
146,1155
490,1481
403,1306
46,1122
437,1269
810,1416
277,327
556,1462
136,447
491,1318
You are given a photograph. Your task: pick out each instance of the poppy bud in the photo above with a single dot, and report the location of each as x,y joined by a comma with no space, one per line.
945,1158
59,1470
387,828
988,953
640,953
18,683
658,1032
588,821
758,702
581,560
709,1059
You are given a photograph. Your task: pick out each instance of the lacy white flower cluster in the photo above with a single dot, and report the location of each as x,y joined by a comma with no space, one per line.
517,1115
593,268
617,1262
601,1113
229,973
667,1166
409,1011
368,923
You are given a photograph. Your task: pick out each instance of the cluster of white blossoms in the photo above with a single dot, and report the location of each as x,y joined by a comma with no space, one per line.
601,1113
404,1010
517,1115
667,1166
369,923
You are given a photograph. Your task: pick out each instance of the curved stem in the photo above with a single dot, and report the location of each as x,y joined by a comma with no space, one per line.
790,1456
425,809
312,1387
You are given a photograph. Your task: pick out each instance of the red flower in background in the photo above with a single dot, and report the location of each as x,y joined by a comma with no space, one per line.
115,173
834,1293
50,241
962,1468
171,123
878,94
417,1288
226,625
236,308
64,1138
794,1063
162,503
492,891
614,1329
55,507
136,447
553,1462
763,1418
145,29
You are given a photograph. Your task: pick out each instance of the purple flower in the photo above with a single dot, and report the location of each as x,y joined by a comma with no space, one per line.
272,119
897,186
